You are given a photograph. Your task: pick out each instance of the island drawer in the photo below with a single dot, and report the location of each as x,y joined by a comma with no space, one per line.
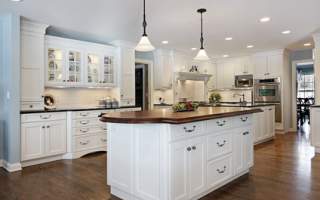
243,120
186,130
45,116
220,124
219,170
218,145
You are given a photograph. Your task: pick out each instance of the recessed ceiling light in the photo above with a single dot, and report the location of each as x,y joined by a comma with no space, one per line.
265,19
193,49
249,46
286,32
307,44
16,0
228,38
165,42
225,56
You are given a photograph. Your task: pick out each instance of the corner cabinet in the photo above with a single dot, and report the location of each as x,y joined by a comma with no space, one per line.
72,63
264,124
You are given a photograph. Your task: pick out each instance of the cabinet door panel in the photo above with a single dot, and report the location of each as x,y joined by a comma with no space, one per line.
56,135
275,65
238,152
32,141
260,66
179,170
197,166
56,74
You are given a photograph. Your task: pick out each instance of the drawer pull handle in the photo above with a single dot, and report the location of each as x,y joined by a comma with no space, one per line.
244,119
103,140
189,149
245,133
190,130
270,108
222,171
48,126
84,130
104,128
45,117
84,114
221,123
85,143
222,144
43,127
194,147
84,122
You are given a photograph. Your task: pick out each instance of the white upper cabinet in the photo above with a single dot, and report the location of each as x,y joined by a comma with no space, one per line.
243,66
260,63
72,63
268,64
32,64
225,75
163,69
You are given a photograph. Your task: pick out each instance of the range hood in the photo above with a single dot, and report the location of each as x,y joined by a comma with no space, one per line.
194,76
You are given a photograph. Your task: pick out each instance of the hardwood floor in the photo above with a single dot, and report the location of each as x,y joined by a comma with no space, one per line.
285,169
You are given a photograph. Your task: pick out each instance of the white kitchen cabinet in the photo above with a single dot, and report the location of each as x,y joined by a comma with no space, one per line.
264,124
275,65
225,75
243,150
125,54
72,63
243,66
315,128
164,65
268,65
260,63
32,64
42,136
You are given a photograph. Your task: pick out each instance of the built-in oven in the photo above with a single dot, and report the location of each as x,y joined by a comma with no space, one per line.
243,81
269,91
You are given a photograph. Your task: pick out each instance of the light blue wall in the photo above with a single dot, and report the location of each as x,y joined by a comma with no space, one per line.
301,55
10,87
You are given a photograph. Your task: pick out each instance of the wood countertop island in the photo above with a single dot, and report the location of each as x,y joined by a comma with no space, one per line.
170,117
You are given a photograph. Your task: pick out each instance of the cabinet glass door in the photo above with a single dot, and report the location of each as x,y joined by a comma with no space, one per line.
93,68
55,65
74,67
108,69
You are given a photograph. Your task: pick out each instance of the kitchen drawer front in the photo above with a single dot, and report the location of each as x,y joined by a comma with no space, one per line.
186,130
243,120
86,142
218,145
88,114
42,117
219,171
31,105
88,130
219,124
86,122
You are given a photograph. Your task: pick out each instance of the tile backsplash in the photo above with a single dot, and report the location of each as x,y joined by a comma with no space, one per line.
232,95
80,96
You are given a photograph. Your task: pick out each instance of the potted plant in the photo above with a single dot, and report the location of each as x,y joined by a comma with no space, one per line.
215,98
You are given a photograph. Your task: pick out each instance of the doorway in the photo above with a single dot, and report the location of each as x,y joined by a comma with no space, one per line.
142,85
304,92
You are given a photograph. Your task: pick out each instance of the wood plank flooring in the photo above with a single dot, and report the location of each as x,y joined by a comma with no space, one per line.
285,169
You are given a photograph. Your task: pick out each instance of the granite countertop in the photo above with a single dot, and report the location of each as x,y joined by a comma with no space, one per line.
76,108
162,104
248,105
168,116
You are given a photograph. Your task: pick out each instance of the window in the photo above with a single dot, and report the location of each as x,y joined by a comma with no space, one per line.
305,85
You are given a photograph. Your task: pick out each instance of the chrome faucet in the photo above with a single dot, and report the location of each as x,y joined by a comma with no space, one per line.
243,100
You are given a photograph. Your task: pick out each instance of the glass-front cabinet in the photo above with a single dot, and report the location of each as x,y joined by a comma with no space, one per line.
55,72
72,63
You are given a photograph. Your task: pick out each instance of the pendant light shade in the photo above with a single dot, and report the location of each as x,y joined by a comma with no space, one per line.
202,54
144,45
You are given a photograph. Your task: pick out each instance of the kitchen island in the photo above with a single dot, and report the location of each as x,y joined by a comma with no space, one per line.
162,155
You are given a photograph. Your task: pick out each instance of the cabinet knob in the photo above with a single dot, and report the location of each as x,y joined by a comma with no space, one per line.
245,133
48,126
43,127
194,147
189,149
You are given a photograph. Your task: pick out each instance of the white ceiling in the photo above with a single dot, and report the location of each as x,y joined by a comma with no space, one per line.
178,22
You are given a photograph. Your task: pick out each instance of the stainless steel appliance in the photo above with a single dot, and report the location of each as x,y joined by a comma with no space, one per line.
269,91
243,81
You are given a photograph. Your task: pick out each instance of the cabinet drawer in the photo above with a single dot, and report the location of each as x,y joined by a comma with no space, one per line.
86,122
243,120
88,130
88,114
219,171
218,145
32,105
46,116
186,130
88,142
219,124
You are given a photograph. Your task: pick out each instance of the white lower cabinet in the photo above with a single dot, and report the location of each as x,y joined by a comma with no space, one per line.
42,138
315,128
264,124
177,162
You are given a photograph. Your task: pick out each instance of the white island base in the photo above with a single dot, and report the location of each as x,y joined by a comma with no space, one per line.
177,162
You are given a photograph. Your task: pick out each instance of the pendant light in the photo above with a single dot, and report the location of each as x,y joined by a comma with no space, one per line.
144,45
202,54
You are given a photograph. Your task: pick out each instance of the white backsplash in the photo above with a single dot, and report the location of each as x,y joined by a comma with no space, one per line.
192,90
166,94
229,95
74,97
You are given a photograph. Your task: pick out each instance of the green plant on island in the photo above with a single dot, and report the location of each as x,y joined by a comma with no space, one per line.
185,106
214,98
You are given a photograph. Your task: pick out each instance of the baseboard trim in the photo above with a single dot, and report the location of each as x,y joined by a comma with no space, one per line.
41,161
292,130
12,167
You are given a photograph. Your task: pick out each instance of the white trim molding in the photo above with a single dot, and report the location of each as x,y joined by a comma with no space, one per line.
12,167
316,38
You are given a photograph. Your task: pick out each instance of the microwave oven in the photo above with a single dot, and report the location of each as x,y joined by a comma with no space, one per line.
243,81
